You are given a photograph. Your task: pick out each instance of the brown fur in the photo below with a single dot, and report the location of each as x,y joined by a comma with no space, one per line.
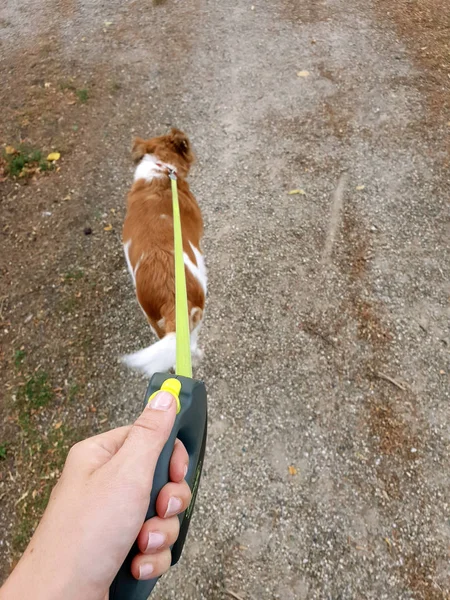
149,226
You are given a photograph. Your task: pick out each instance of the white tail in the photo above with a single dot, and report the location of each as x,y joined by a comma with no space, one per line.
158,358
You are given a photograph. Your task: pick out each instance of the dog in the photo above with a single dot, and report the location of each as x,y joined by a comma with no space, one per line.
149,247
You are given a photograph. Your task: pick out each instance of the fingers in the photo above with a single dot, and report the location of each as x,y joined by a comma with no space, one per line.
173,499
154,541
148,567
158,534
146,438
179,462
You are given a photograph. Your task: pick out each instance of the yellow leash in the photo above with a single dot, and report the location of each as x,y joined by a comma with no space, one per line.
183,338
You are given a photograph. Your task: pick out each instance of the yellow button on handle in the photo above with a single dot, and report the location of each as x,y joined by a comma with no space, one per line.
173,386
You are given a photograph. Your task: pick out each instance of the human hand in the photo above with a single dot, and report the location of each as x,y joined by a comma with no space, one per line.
96,511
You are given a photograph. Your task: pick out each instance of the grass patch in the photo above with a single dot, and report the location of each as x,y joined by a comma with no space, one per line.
37,390
25,161
74,390
82,95
41,446
73,275
3,451
44,455
19,357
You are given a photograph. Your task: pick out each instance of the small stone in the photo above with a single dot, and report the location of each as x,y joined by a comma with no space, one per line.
87,231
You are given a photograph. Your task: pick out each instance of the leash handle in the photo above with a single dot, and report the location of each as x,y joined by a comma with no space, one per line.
190,427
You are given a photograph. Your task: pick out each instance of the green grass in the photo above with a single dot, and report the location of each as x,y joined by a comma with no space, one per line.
74,275
37,390
74,390
19,357
3,451
82,95
42,451
24,158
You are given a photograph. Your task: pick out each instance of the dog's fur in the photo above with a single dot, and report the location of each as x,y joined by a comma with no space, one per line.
148,246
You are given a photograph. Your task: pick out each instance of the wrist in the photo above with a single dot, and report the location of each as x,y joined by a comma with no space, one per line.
43,582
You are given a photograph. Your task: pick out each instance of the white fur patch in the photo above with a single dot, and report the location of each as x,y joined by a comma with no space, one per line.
198,270
151,167
126,249
158,358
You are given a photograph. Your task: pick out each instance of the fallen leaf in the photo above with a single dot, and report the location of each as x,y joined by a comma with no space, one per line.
302,73
10,150
108,227
53,156
360,187
293,192
108,23
57,425
292,470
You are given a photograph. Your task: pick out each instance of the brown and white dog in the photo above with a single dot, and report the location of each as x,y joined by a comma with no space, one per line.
148,246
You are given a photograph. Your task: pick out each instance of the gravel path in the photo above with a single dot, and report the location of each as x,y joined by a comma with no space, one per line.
326,340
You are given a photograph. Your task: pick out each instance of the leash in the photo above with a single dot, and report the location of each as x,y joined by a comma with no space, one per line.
190,424
183,352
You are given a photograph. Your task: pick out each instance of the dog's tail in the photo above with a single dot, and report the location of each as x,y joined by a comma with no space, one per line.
158,358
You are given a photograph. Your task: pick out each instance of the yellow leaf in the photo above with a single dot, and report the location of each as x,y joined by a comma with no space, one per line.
360,187
10,150
54,156
292,470
302,73
57,425
293,192
108,227
108,23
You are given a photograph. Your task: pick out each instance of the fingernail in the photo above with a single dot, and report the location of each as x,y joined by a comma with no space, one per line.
145,570
162,401
155,540
185,470
173,507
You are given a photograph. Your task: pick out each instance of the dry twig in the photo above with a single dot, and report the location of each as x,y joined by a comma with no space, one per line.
233,595
401,386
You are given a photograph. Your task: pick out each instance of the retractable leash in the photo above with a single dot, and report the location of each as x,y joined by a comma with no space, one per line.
189,427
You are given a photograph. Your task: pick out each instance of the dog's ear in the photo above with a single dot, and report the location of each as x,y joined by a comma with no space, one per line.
181,144
139,149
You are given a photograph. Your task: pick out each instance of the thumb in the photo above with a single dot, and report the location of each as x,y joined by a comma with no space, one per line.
145,441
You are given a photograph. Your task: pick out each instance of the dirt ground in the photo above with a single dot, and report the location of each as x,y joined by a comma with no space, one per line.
327,334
